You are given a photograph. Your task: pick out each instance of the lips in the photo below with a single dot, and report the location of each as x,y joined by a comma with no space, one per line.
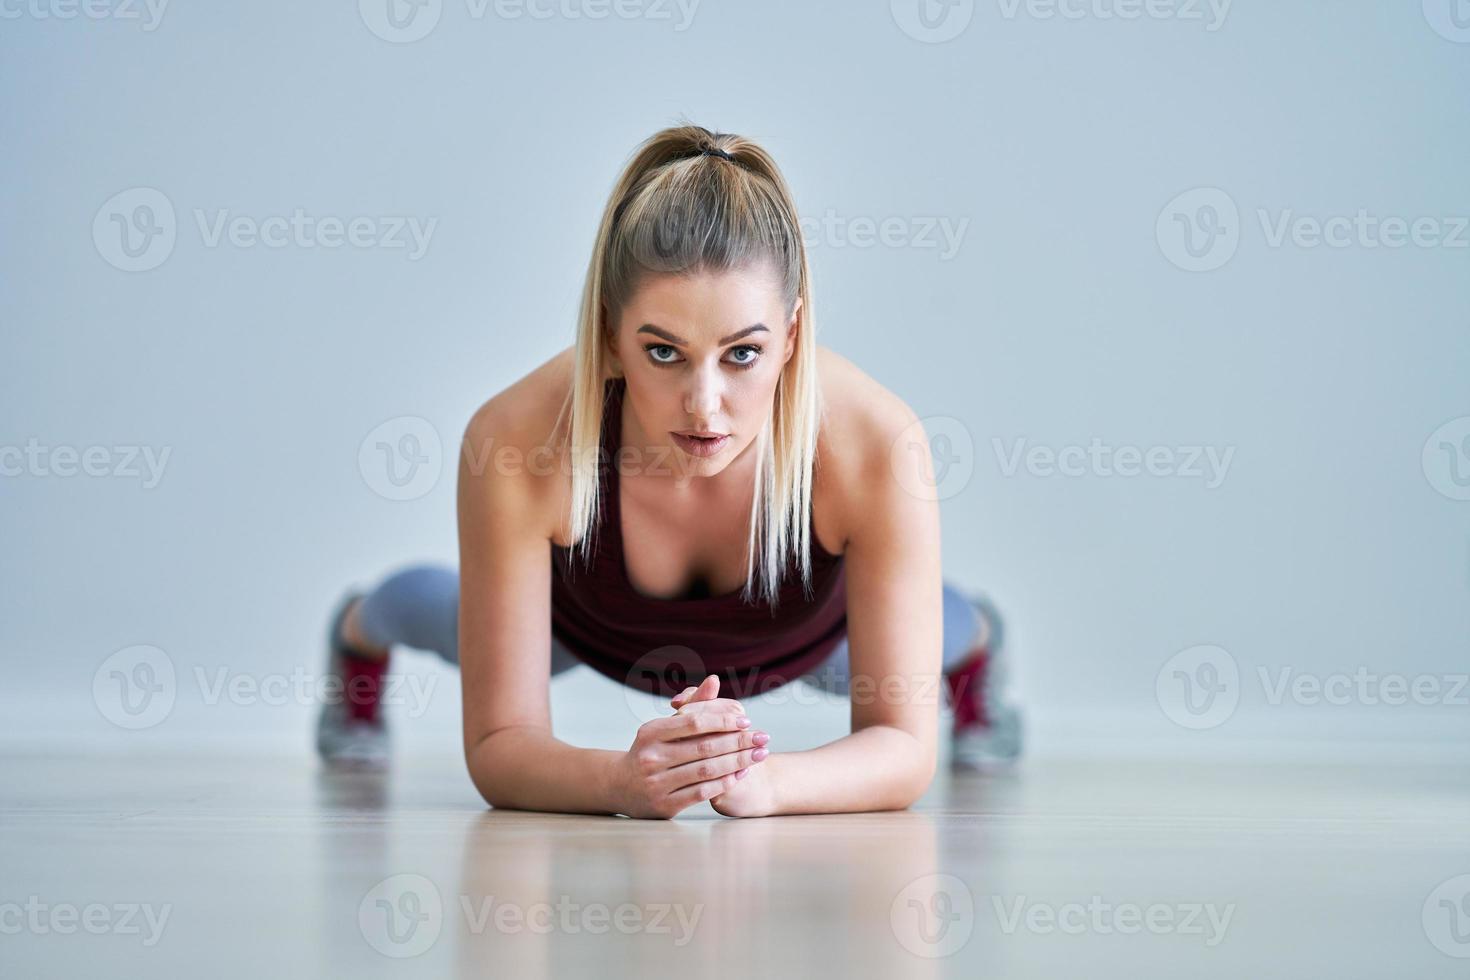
696,446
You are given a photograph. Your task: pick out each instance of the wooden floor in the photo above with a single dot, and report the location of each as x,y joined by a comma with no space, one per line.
163,866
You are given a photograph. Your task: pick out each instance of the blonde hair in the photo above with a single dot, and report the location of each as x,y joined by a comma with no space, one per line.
678,210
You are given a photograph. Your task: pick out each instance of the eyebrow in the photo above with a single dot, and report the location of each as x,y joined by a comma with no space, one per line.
671,338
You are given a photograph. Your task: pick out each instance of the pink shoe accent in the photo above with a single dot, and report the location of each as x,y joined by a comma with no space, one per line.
362,685
966,685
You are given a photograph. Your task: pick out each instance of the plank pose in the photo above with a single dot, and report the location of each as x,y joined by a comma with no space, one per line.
698,501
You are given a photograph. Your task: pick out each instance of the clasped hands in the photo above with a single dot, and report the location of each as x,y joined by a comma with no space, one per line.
706,750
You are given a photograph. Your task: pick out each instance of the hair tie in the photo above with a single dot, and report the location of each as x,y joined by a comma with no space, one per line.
717,152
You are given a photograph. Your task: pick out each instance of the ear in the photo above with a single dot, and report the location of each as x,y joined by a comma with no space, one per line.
607,336
791,330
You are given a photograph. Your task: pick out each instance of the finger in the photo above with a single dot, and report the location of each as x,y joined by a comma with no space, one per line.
699,792
709,746
703,770
705,691
716,704
704,722
680,726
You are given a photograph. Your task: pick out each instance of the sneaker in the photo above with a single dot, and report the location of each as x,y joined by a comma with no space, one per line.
987,728
350,731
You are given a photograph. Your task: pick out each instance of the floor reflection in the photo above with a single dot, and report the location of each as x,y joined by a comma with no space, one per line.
542,897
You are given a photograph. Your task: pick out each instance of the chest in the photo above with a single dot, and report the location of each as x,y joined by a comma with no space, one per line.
683,553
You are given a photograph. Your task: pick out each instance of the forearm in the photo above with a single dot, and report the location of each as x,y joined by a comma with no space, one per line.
527,768
875,768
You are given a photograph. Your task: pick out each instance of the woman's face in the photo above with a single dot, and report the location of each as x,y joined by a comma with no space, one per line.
702,354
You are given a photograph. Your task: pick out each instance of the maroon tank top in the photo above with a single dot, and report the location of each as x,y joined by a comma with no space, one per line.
661,646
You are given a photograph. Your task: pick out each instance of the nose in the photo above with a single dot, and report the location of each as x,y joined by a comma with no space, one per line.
702,398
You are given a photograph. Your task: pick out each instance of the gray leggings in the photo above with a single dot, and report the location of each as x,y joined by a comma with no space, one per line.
418,606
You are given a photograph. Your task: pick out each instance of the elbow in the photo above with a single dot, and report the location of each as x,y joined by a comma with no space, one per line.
912,789
486,785
482,772
910,785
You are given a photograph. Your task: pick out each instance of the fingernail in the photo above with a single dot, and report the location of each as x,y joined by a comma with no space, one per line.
742,722
760,754
740,773
760,738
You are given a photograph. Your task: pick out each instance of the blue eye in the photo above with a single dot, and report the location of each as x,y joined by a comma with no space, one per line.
755,355
753,350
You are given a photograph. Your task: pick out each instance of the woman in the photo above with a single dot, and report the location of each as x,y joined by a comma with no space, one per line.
696,500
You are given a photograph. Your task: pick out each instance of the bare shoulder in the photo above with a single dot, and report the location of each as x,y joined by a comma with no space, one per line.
524,404
513,437
861,422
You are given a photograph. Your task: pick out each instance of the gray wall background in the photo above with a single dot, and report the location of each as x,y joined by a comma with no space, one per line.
1055,146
